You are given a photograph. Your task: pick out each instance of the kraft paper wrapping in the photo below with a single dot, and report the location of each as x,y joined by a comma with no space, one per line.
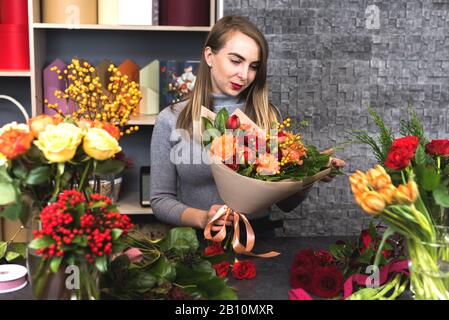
247,195
131,69
108,12
69,11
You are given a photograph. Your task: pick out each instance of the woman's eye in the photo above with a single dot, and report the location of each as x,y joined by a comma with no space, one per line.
235,61
254,67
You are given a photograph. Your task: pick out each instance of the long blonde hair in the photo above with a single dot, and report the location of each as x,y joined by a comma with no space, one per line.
257,106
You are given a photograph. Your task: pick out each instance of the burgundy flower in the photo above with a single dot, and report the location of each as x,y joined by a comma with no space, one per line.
301,277
213,249
324,257
305,258
244,270
327,282
222,269
438,147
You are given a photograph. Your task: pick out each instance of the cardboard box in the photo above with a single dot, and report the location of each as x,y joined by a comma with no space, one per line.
69,11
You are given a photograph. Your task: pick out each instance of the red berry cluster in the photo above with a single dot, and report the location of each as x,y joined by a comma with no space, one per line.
60,223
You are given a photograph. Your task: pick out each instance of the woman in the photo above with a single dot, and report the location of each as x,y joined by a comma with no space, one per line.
232,74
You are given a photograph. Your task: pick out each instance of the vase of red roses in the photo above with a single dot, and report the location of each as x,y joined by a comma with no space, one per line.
78,236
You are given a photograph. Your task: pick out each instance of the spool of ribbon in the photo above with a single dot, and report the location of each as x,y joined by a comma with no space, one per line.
13,277
238,247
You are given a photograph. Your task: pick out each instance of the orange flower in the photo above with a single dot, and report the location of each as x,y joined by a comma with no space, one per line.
109,127
406,194
14,142
359,183
378,178
267,164
84,123
372,202
223,147
292,148
39,123
387,193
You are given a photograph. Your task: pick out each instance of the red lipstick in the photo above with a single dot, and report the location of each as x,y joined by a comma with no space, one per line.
236,86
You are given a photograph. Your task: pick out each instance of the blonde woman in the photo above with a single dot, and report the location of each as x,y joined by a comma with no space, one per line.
232,74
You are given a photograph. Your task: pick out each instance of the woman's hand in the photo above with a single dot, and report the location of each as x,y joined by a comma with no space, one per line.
334,162
219,223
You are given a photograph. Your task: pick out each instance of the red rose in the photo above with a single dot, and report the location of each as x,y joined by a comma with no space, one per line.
222,269
244,270
409,143
233,122
305,258
438,147
399,158
327,282
301,278
213,249
324,257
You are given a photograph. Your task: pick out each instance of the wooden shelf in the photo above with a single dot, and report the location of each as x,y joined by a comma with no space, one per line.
118,27
143,119
15,73
130,204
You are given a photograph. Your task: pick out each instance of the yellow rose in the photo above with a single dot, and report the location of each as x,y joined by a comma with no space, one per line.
99,144
59,143
3,160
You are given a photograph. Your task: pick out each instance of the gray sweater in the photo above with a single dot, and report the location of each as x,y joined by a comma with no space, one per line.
179,177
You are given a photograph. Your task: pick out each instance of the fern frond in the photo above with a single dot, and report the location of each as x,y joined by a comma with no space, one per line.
386,137
363,137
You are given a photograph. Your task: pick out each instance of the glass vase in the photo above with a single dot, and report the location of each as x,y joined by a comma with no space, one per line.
79,281
429,266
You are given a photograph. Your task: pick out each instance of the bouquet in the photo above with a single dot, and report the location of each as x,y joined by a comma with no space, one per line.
168,268
331,273
254,169
81,232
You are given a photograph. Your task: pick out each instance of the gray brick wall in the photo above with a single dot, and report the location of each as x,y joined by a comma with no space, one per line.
331,59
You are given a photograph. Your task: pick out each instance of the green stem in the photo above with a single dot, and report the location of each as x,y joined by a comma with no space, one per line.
389,232
85,173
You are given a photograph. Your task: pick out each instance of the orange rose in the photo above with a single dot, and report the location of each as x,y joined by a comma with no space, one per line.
14,142
372,202
109,127
39,123
406,194
84,123
223,147
267,164
378,178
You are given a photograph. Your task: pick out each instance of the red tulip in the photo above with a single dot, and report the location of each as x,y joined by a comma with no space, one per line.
233,122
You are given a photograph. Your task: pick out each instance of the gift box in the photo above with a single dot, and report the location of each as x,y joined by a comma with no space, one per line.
69,11
135,12
14,52
108,12
149,87
14,12
184,13
177,80
51,83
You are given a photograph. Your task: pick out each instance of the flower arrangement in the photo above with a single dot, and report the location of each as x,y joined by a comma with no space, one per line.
172,268
326,273
78,231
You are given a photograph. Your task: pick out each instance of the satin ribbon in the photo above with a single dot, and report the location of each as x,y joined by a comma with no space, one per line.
400,266
12,278
239,248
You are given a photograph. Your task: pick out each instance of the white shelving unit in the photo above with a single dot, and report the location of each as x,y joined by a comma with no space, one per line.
15,73
39,31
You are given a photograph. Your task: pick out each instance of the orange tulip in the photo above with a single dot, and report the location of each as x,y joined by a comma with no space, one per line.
223,147
378,178
372,202
359,183
387,193
406,194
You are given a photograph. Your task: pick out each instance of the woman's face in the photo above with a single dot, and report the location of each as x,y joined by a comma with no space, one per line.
233,67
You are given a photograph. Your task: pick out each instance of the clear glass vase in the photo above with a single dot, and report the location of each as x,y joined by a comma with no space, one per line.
429,266
79,281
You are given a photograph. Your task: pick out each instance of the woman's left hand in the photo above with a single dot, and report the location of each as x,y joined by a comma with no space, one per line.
334,162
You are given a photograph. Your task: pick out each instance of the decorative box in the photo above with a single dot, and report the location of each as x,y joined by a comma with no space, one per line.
184,13
135,12
14,43
108,12
69,11
14,12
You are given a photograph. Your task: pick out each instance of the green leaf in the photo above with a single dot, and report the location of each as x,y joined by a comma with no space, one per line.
41,243
80,240
163,269
430,178
366,257
441,196
109,167
20,248
11,255
220,120
337,251
4,176
101,264
55,262
420,155
199,271
116,233
142,282
3,246
181,239
7,193
12,212
19,170
38,175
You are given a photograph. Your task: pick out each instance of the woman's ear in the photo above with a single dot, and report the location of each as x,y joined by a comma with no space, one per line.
208,56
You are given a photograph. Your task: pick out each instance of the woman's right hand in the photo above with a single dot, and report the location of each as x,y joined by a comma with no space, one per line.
219,223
